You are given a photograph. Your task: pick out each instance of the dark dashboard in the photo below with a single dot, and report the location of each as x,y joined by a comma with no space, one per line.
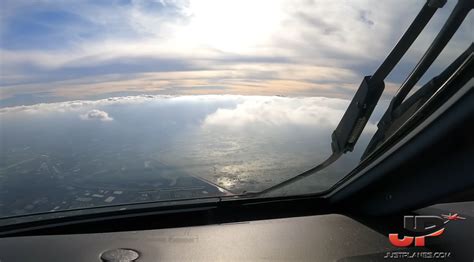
331,237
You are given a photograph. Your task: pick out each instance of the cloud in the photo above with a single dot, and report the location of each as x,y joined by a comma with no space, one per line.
96,115
272,112
324,46
279,111
364,17
248,79
92,105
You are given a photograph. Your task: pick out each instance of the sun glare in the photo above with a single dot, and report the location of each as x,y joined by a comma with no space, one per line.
232,26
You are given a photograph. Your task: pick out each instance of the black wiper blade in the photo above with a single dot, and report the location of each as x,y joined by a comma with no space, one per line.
360,109
367,96
454,21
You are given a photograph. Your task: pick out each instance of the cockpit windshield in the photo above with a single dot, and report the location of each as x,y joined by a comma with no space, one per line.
155,101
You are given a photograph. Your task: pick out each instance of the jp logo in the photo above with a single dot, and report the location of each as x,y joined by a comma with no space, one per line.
431,226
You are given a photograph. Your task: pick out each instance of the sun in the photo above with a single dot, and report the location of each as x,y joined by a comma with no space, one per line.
232,25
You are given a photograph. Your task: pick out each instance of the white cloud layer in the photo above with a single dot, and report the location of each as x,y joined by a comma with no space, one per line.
78,105
239,111
96,114
279,111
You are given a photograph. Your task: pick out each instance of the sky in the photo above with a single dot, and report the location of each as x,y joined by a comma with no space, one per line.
62,50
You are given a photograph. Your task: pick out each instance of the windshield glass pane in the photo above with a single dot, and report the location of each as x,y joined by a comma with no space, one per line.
148,148
143,101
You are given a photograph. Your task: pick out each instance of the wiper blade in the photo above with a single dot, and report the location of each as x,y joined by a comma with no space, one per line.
360,109
457,16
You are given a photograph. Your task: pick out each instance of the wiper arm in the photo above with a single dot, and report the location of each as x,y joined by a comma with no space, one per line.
360,109
457,16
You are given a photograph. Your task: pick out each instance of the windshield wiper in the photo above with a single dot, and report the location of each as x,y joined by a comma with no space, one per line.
355,118
385,125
